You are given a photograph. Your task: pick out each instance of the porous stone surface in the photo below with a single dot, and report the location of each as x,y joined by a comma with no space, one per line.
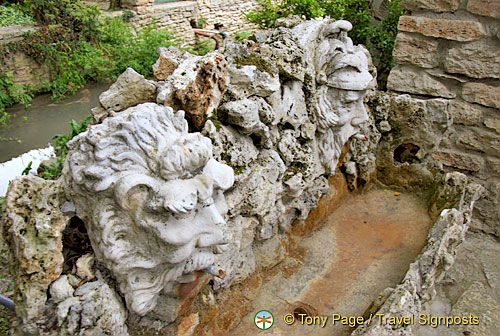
433,5
129,89
476,59
32,228
405,79
458,30
196,86
417,50
166,62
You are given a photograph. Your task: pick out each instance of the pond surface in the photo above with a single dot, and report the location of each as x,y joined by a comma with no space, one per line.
33,128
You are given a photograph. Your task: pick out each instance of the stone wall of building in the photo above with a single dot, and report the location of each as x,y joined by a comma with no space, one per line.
447,55
24,69
177,16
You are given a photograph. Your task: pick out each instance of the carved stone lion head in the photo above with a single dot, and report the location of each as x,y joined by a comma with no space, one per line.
151,196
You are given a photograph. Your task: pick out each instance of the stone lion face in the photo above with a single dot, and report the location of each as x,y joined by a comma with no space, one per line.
152,198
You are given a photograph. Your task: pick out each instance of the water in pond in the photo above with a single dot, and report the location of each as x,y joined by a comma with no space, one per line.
34,127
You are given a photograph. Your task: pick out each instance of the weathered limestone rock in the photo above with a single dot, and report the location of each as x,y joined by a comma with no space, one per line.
476,59
436,6
245,114
483,94
458,30
196,86
250,74
404,79
152,200
284,50
464,113
33,229
95,309
417,50
84,266
61,289
167,62
129,90
484,7
459,160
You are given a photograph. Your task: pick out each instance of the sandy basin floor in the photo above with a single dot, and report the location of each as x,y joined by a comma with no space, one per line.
365,246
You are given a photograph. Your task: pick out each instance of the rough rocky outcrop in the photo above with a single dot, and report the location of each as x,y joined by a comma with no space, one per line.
33,230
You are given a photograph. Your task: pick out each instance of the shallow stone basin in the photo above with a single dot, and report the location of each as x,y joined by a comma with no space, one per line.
361,248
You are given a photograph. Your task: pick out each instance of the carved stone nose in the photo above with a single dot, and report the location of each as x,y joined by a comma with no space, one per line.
360,114
211,233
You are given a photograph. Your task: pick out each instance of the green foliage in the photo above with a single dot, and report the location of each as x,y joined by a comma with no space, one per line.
53,171
79,45
11,93
202,47
5,315
10,15
126,47
378,37
242,35
77,17
27,169
271,10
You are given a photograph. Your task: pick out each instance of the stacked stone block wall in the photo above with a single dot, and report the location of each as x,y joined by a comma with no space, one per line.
176,16
448,54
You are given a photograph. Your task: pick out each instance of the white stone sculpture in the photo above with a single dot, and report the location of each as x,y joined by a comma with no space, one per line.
151,196
342,78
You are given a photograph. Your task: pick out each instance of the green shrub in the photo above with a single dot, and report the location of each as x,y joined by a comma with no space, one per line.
378,37
79,45
242,35
53,171
10,16
11,93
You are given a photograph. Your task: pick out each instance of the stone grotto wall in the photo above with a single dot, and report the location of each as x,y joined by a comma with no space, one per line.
447,90
208,172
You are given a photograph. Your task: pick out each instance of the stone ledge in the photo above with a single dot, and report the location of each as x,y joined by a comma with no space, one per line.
483,94
457,30
459,160
14,33
406,79
175,5
417,50
489,8
434,5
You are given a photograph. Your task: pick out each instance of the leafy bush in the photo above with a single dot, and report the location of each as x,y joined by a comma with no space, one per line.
241,35
53,170
11,93
378,37
78,45
10,16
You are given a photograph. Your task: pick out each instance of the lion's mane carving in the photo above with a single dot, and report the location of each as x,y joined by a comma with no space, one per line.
151,195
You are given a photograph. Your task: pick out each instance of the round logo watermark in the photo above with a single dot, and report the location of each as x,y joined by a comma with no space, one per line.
264,320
